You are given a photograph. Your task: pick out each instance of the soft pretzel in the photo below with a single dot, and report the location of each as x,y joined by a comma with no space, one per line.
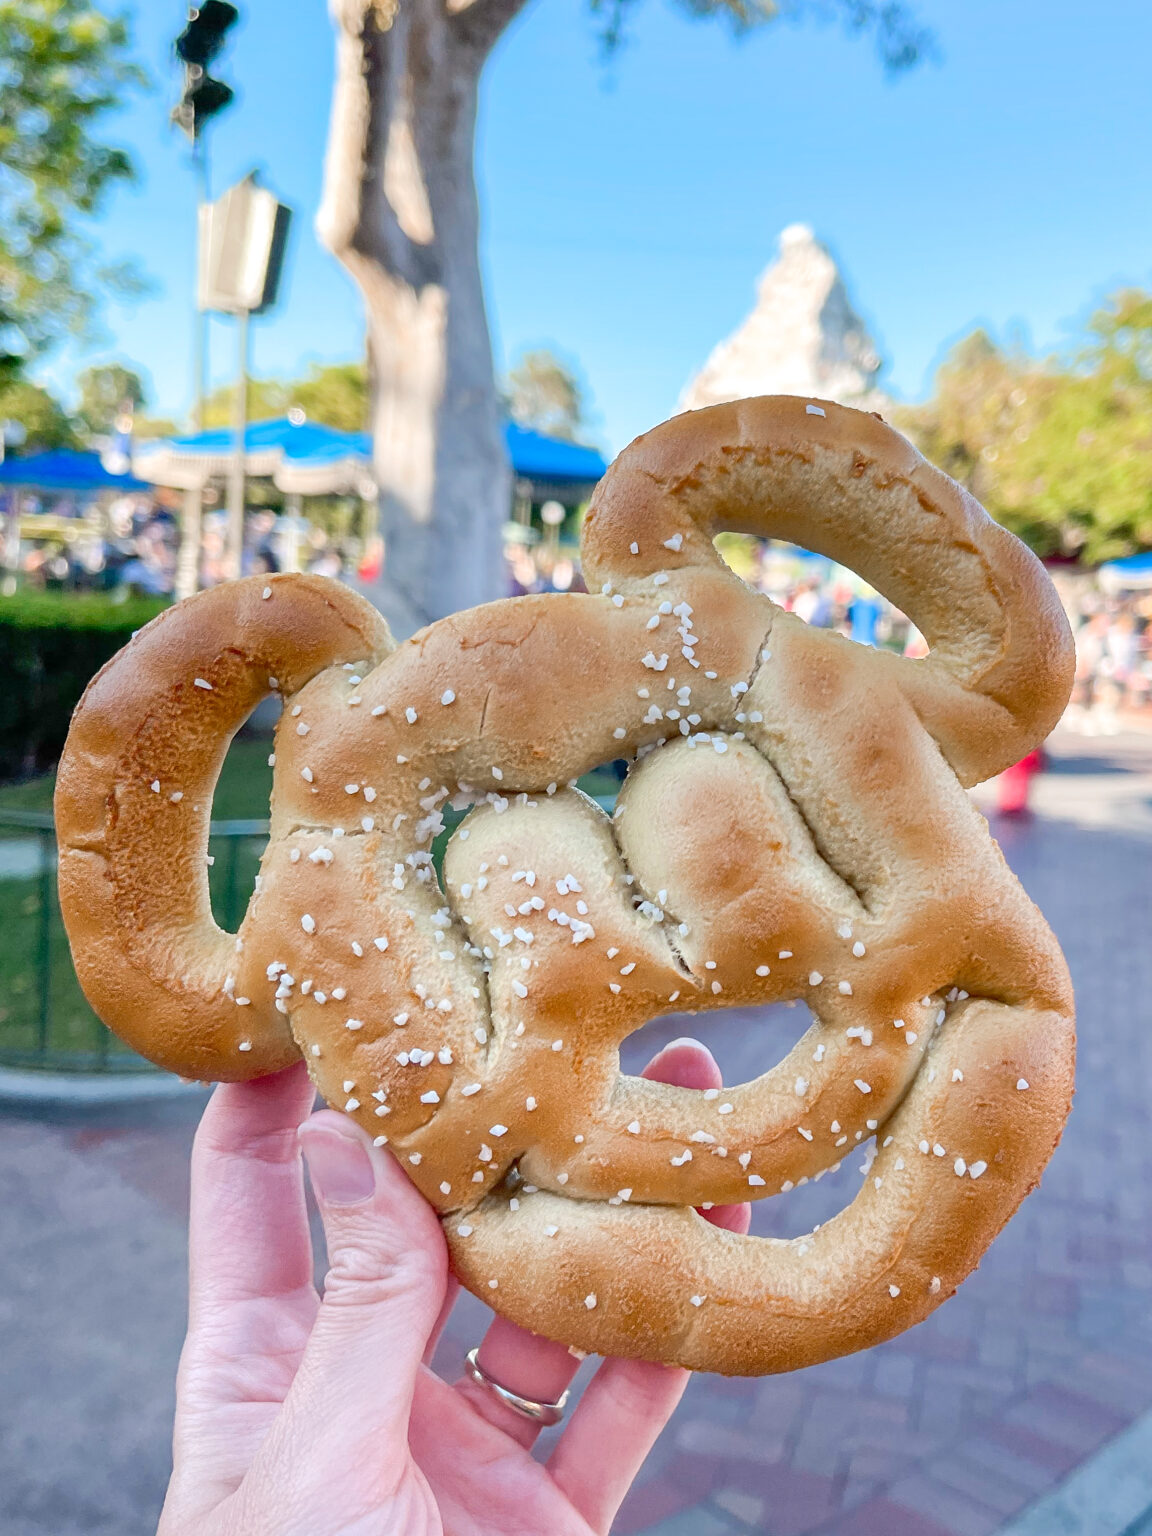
793,825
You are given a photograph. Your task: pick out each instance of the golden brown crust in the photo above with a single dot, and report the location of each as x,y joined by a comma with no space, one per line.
133,862
843,483
793,826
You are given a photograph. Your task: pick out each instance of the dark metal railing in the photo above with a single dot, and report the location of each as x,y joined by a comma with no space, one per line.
45,1021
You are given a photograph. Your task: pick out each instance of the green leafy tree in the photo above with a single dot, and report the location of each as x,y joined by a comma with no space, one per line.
63,66
543,393
1059,450
267,398
335,394
46,423
146,425
104,392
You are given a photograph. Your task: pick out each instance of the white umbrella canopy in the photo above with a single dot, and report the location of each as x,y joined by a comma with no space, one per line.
299,456
1132,574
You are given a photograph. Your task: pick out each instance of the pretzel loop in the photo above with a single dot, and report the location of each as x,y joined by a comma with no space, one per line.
793,827
842,483
133,803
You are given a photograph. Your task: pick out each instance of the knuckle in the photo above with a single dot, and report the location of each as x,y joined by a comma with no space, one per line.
365,1273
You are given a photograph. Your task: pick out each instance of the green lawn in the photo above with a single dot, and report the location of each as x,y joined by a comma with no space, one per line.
241,795
44,1018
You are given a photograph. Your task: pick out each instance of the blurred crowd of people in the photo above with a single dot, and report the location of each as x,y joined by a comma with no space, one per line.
1113,662
131,547
135,547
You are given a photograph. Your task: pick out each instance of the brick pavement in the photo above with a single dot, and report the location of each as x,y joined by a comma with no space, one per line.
950,1430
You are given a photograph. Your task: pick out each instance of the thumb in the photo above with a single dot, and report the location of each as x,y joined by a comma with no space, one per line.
387,1275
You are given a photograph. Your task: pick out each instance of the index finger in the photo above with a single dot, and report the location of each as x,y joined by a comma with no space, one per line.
248,1230
687,1063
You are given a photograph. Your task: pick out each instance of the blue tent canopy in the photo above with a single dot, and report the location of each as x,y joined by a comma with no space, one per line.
300,456
1132,565
1132,571
65,472
536,457
305,440
307,456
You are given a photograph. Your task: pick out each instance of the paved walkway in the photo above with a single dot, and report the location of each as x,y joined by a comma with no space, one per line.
955,1429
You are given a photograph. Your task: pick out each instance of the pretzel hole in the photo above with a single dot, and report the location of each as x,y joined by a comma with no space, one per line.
750,557
795,1213
603,782
746,1041
241,799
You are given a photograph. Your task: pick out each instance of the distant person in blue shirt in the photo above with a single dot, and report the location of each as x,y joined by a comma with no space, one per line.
864,615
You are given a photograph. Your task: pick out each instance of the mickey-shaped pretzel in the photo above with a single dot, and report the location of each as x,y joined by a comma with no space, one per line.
794,825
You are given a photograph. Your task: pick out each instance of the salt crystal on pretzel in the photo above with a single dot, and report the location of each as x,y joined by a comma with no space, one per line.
824,818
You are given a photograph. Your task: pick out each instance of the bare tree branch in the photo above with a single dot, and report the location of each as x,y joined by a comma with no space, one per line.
478,24
356,216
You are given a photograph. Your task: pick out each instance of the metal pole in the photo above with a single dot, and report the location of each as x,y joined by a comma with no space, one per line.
235,547
291,547
200,331
188,559
233,911
191,536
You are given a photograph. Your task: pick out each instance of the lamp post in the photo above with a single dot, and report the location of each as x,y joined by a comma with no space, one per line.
245,234
201,99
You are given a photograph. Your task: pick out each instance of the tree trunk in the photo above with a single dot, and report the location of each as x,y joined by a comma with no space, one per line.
400,211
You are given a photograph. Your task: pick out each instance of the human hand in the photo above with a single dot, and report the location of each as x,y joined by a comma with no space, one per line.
298,1416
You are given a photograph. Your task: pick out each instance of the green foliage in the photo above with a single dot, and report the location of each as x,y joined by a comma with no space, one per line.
242,792
1058,450
900,40
50,646
41,415
335,394
154,426
542,392
267,398
104,391
63,66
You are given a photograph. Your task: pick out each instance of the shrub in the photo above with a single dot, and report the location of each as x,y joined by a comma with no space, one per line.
51,645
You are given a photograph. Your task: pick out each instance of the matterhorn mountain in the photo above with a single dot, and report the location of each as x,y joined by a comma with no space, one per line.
802,338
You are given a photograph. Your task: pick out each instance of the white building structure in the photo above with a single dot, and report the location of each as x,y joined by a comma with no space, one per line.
803,337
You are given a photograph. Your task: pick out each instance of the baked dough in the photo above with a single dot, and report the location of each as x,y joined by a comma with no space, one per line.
794,825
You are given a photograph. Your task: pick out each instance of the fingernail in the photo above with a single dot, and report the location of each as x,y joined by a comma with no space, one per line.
339,1166
685,1040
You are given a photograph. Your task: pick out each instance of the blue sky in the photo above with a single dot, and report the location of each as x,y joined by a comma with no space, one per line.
628,209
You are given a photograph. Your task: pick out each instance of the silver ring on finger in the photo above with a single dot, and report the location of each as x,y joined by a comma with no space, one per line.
543,1414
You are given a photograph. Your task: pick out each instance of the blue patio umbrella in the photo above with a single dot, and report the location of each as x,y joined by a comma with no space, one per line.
63,471
537,457
299,456
311,458
1132,571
